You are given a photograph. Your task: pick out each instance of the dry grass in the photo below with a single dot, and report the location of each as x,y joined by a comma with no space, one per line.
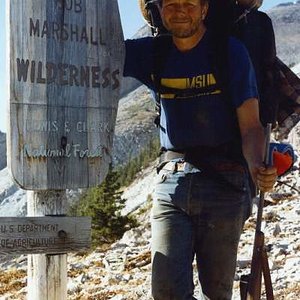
12,280
99,295
292,292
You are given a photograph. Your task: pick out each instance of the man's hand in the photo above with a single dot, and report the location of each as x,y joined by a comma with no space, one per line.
266,178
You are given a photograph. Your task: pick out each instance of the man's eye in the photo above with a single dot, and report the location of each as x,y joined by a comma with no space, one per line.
190,5
170,7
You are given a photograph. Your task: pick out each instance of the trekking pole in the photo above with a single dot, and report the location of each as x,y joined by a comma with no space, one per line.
267,163
250,285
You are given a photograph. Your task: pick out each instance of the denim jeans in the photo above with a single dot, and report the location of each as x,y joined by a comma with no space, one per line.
195,215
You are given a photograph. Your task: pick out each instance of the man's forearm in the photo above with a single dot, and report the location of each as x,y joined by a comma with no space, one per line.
253,143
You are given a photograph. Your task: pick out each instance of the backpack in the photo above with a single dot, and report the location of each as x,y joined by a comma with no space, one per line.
253,28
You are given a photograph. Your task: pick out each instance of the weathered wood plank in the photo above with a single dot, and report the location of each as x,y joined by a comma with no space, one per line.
49,235
47,273
66,60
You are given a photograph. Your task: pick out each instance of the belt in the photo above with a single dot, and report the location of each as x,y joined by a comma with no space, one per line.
176,161
180,166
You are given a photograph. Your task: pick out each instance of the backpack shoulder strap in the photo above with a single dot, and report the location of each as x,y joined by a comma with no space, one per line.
219,59
161,48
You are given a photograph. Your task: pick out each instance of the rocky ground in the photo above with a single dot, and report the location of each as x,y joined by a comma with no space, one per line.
122,271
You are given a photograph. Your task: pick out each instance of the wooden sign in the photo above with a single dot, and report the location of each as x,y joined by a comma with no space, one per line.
37,235
66,60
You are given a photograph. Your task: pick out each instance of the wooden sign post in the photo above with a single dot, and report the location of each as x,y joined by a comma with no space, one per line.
65,65
47,273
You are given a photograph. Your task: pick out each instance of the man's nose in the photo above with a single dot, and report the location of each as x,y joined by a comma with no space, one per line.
180,8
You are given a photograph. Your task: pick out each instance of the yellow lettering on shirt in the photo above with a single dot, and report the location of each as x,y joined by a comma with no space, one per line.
196,82
199,81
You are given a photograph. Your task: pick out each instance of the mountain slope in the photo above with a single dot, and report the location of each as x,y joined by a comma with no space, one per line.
286,22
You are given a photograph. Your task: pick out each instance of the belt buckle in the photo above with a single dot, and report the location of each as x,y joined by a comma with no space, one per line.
189,168
178,166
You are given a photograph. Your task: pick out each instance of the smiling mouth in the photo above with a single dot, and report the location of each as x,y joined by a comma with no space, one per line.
180,21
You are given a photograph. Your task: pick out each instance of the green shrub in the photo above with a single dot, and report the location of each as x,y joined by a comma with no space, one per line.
104,204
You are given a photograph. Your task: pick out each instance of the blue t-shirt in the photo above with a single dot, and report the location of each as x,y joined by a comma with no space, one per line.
197,119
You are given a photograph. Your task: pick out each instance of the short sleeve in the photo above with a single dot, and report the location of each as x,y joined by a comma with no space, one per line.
138,60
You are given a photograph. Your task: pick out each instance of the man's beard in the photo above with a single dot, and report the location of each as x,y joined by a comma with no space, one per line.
183,31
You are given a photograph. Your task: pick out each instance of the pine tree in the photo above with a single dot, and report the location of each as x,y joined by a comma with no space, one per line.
104,204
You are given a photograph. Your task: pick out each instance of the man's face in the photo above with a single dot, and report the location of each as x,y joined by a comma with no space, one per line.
183,18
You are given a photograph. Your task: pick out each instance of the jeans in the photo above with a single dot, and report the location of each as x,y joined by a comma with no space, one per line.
195,215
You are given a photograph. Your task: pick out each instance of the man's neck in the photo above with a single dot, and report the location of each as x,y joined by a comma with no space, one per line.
186,44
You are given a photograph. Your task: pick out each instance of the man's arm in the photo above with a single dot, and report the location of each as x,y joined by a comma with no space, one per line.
253,144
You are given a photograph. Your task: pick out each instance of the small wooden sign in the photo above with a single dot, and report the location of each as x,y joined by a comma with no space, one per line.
66,60
40,235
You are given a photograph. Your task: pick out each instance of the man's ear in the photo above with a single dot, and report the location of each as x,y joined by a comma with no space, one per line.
204,10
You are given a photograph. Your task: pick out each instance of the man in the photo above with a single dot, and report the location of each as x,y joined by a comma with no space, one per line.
202,197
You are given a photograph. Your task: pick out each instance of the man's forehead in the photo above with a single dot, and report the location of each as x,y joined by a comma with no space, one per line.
180,1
